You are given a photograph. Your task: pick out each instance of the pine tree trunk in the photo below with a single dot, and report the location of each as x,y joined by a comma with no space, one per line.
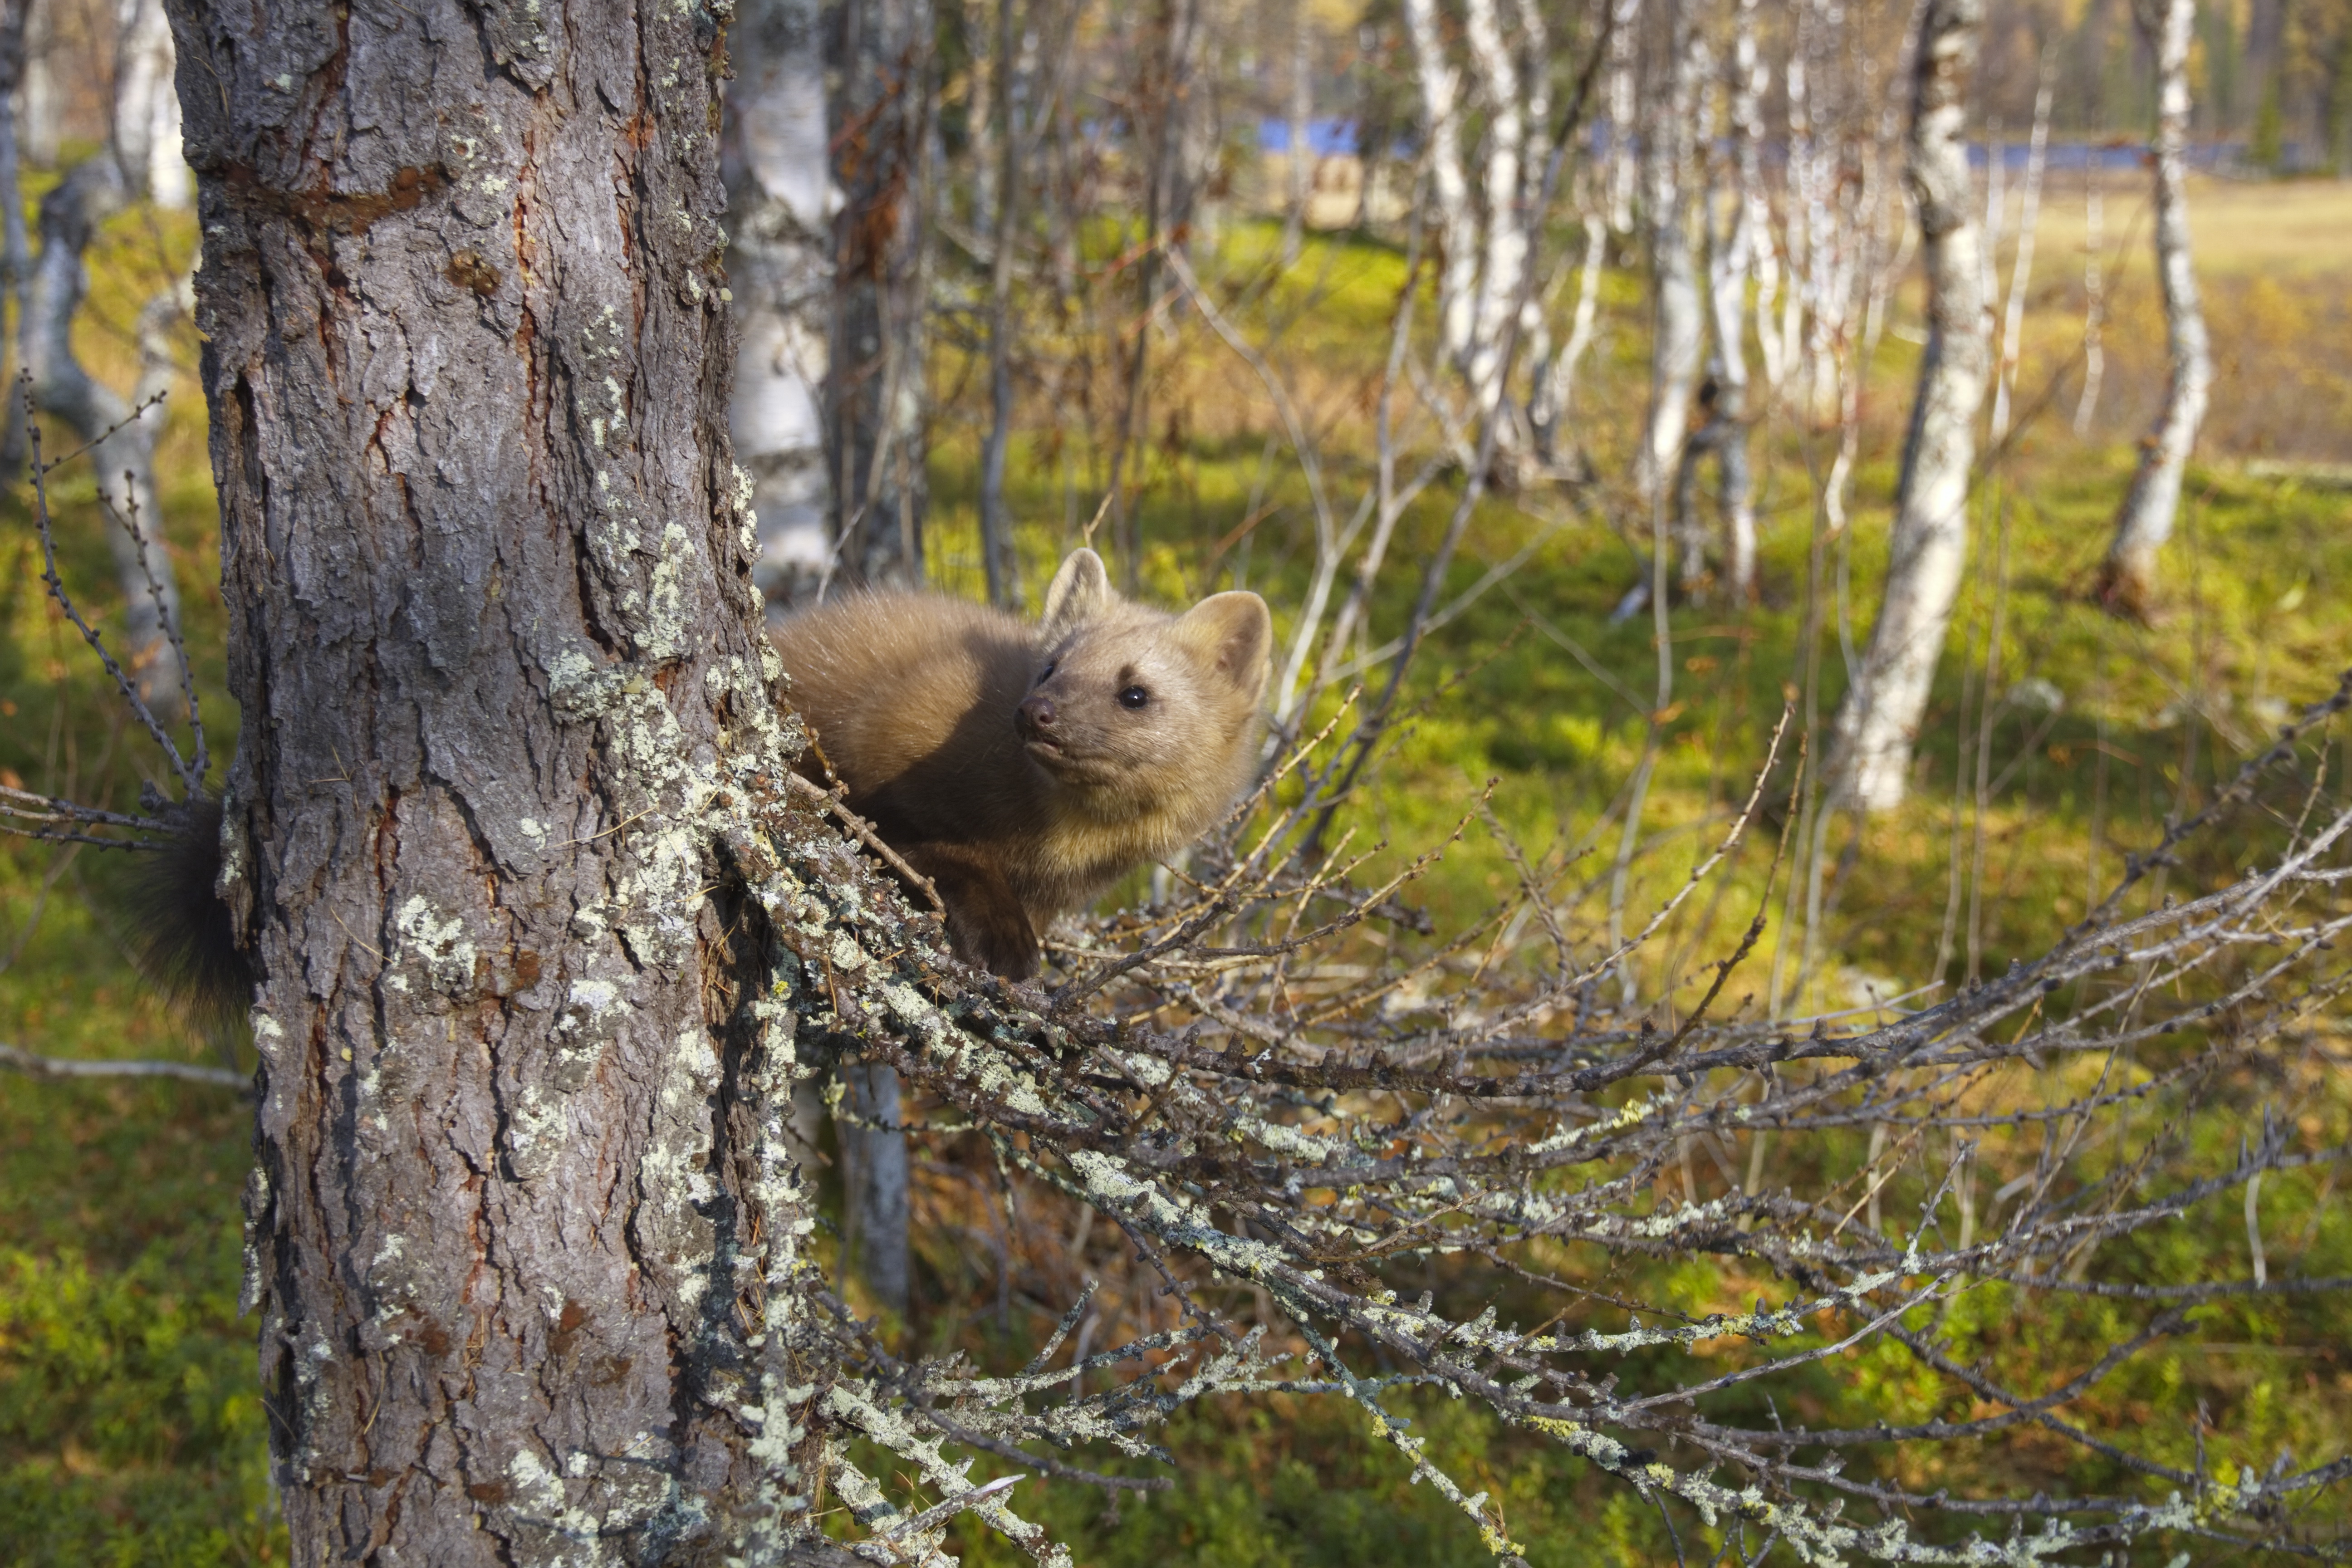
780,202
523,1234
1870,760
2127,577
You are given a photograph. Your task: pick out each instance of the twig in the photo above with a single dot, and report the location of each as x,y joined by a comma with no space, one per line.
830,801
26,1062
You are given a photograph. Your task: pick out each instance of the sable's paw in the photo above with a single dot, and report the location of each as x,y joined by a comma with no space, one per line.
986,925
996,946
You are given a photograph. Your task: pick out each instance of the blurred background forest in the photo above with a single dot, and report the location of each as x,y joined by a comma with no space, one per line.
1149,279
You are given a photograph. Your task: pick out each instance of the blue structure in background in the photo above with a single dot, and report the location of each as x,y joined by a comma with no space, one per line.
1325,138
1338,138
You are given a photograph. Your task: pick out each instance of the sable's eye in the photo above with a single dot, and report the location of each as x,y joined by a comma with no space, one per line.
1134,697
1046,674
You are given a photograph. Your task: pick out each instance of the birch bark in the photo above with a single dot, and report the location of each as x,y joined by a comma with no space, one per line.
2127,577
1555,394
16,248
1735,263
1504,264
2095,298
2021,267
146,106
1677,340
122,448
780,203
1624,114
1871,747
1457,225
1300,166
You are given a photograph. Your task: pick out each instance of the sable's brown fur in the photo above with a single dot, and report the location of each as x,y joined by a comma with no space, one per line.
1024,768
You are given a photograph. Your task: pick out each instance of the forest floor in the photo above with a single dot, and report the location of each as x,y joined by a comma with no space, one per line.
129,1428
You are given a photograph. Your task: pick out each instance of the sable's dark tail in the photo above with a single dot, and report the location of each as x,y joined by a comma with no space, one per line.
180,931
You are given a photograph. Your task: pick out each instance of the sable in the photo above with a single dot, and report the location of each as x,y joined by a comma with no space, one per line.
1021,768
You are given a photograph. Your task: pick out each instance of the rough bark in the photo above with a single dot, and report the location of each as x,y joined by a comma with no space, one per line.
1876,723
876,385
523,1233
780,202
2127,577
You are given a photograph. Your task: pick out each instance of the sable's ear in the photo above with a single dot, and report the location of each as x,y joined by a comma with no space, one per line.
1234,631
1079,591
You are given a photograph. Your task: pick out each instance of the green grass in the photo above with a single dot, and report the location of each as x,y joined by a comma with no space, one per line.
129,1430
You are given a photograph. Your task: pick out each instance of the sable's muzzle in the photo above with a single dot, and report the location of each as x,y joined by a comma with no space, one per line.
1034,719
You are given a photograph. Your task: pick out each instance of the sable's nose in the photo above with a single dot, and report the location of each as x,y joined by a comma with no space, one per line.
1036,715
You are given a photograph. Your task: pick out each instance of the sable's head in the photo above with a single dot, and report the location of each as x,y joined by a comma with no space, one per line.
1139,708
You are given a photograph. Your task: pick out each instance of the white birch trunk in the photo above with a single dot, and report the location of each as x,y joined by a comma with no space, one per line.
1871,749
1555,393
2129,575
16,249
1535,52
2095,299
1677,341
1996,213
147,105
122,448
1506,249
2020,266
1750,77
37,110
1302,111
1457,279
1789,332
1624,112
1734,262
781,200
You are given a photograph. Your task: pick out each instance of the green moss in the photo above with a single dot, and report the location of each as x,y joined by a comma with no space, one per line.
127,1430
